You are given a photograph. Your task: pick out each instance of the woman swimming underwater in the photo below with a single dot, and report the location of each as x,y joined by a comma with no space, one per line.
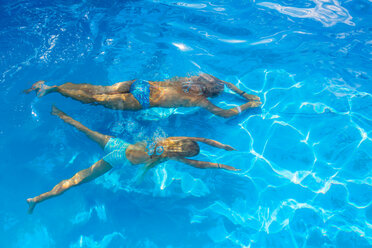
140,94
120,153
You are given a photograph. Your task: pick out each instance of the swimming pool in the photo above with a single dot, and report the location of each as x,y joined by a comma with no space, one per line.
305,157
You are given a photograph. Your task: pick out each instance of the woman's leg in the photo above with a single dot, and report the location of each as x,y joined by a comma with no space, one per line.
116,96
101,139
124,101
89,89
83,176
82,92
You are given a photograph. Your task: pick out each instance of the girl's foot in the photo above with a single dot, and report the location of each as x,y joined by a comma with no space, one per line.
31,205
229,148
57,112
41,88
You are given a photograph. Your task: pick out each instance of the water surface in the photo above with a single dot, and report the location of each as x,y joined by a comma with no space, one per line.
305,157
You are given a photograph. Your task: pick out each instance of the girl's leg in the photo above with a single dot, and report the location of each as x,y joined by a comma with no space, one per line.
101,139
83,176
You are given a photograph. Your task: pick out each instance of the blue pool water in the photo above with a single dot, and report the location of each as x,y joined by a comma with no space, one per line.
305,156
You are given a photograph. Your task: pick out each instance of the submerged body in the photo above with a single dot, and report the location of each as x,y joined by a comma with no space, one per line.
140,94
119,153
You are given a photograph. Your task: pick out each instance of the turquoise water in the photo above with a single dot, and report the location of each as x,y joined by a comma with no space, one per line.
305,156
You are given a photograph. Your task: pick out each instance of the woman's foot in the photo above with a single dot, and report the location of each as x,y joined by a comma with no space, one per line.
31,205
41,88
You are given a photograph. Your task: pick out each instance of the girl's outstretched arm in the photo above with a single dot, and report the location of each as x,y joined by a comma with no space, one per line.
83,176
207,141
226,113
205,165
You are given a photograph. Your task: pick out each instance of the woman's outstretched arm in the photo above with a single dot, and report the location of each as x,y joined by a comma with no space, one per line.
226,113
247,96
83,176
206,141
205,165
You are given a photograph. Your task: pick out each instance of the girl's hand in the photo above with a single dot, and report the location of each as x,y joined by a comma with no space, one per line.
229,148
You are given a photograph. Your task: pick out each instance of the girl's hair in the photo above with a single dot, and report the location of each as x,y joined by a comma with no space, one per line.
174,148
181,148
210,85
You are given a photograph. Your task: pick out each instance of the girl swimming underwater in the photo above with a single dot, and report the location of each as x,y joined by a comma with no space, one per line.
120,153
140,94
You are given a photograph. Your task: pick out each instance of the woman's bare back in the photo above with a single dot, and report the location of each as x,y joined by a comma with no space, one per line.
181,92
171,95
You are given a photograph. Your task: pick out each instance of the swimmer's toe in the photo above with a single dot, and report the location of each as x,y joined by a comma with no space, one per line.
229,148
28,90
31,205
230,168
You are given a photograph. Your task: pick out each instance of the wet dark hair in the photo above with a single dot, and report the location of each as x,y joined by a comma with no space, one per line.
210,85
182,148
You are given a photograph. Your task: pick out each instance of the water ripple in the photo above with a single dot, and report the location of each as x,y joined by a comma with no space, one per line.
305,159
328,12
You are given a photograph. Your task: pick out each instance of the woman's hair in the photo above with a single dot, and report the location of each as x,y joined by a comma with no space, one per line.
210,85
181,148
